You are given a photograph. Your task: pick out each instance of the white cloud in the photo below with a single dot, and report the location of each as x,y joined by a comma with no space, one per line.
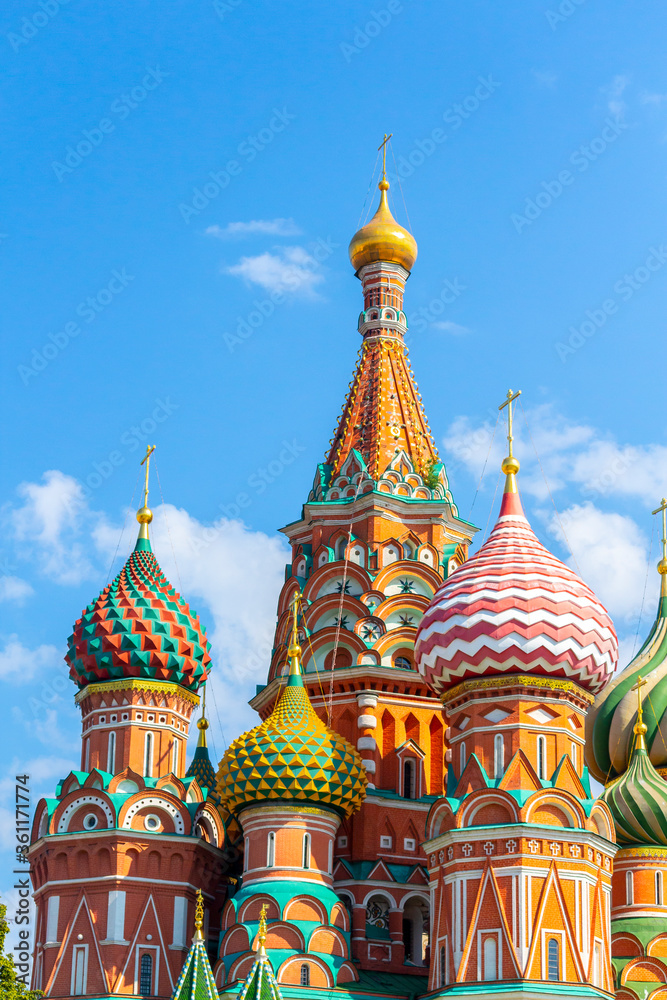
49,525
655,99
20,664
236,573
269,227
289,269
448,327
13,588
614,95
610,554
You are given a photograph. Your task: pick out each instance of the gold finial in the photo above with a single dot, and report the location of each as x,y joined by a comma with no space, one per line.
144,514
202,724
662,565
384,183
261,933
294,651
199,916
510,465
640,729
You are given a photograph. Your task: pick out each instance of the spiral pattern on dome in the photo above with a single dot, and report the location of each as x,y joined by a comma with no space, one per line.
638,803
139,626
514,607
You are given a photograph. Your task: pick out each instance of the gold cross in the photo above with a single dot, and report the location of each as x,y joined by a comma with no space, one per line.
383,147
511,396
663,509
638,688
146,459
261,933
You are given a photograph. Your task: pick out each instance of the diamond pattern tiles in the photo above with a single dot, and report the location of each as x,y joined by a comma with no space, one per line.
139,626
292,755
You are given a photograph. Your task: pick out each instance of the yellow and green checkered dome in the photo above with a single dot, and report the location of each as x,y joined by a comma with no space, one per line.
292,755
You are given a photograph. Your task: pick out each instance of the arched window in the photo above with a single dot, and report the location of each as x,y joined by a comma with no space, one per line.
341,545
553,960
629,889
146,976
658,888
498,755
174,762
443,966
462,759
271,850
573,755
490,958
403,663
306,851
541,757
111,754
304,978
409,784
148,755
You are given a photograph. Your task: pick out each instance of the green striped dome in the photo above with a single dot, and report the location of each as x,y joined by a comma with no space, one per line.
638,802
610,722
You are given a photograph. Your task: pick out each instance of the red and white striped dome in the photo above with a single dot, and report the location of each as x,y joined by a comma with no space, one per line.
515,608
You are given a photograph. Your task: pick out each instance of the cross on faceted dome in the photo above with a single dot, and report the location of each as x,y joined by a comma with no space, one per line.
144,514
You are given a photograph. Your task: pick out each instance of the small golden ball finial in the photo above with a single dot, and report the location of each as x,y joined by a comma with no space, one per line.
294,651
202,724
144,515
510,465
662,567
641,729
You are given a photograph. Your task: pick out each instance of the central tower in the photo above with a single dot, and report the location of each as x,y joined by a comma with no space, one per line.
376,537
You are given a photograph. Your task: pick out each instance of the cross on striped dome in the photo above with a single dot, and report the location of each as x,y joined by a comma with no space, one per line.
514,607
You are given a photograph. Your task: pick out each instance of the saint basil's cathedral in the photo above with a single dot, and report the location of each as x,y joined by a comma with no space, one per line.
413,813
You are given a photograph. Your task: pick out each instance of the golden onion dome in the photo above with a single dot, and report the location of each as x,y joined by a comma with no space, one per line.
382,238
292,755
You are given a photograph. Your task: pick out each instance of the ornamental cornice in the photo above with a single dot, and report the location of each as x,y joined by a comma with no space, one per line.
517,680
137,684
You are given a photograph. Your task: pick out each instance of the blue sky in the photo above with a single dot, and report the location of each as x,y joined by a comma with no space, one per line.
168,167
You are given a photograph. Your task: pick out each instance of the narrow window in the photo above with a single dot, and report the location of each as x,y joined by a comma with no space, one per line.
86,760
146,976
629,889
409,779
541,757
330,867
246,853
573,755
271,851
658,888
79,975
148,755
111,754
306,851
443,971
174,763
490,958
498,756
553,960
597,965
305,975
462,759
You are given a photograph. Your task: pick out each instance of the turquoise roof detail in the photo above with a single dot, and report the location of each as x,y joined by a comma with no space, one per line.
261,983
196,981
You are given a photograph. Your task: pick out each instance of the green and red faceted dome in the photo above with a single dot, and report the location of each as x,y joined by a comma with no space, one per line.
139,626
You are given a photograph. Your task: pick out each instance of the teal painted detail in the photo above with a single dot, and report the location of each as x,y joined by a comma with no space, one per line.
196,981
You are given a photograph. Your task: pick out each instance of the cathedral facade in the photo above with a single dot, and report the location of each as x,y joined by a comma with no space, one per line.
413,813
